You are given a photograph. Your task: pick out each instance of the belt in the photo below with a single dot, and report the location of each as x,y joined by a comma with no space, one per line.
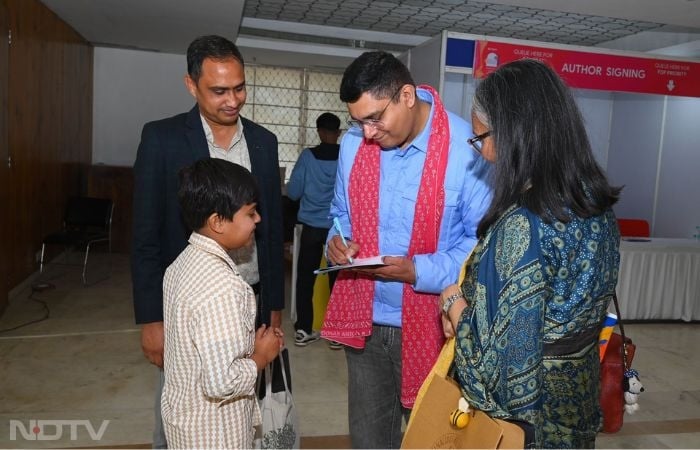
572,344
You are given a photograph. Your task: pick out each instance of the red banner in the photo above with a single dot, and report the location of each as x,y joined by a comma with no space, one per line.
599,71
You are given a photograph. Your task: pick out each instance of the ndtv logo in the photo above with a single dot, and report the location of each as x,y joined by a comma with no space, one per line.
52,430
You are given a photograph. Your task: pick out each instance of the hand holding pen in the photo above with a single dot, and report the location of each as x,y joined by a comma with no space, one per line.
340,250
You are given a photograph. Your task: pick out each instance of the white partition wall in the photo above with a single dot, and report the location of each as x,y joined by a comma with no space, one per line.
635,139
595,106
456,85
458,93
678,193
596,109
425,62
648,143
655,154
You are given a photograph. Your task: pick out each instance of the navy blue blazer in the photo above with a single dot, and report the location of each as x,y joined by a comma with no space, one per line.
159,234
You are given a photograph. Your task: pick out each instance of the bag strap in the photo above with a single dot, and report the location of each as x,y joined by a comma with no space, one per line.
441,368
269,372
445,358
622,332
284,372
268,378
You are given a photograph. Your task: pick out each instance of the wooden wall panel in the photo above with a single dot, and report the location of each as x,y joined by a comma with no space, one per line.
116,183
50,128
4,156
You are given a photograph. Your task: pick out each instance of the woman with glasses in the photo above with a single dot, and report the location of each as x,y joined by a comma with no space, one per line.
534,293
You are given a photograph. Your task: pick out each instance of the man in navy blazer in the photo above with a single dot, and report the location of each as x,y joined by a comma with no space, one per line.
212,128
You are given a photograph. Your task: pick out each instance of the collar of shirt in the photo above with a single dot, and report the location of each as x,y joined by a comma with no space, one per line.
211,246
210,135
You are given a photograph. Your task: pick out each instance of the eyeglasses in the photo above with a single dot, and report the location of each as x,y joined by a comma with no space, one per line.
374,123
476,141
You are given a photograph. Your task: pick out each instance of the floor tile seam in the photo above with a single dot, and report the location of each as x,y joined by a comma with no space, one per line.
679,426
316,402
116,446
73,334
130,410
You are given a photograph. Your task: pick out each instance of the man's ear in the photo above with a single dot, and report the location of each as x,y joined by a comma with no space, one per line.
408,92
215,223
191,85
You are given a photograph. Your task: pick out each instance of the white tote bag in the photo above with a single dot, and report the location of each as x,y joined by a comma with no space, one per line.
280,425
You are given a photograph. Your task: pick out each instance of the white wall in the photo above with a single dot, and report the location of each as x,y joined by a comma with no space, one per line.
596,107
655,153
634,148
134,87
131,88
420,63
678,193
650,144
458,94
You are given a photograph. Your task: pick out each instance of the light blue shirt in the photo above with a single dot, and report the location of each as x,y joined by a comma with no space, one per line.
467,196
312,182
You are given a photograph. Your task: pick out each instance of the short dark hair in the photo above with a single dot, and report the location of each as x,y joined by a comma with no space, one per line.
328,121
214,186
210,46
379,73
544,160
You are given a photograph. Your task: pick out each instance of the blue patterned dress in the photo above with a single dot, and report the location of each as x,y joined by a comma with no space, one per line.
527,341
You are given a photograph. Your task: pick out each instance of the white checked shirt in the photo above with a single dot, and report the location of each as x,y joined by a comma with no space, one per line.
246,258
209,315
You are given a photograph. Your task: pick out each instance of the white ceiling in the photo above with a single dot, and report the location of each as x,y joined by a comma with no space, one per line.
683,13
157,25
329,33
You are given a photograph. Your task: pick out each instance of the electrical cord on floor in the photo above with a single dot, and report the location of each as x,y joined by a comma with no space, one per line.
47,311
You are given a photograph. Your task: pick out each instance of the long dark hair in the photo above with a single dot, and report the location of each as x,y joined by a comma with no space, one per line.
544,160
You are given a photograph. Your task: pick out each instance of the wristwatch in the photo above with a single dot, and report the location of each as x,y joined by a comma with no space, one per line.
450,300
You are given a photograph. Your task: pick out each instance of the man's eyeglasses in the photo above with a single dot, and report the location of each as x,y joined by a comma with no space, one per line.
374,123
476,141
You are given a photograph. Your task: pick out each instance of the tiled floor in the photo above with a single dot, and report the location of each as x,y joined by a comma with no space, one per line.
84,365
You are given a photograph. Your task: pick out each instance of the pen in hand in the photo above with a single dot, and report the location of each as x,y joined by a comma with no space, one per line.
339,229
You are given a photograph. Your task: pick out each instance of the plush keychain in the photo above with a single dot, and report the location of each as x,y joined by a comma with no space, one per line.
460,417
633,387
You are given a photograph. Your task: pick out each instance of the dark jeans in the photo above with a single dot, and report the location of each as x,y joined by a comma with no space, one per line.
310,251
374,390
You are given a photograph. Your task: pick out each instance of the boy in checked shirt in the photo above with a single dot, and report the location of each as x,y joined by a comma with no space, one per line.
212,351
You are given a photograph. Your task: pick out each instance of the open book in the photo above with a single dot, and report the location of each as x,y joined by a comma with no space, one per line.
356,262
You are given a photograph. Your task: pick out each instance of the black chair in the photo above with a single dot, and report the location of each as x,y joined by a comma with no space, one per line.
87,221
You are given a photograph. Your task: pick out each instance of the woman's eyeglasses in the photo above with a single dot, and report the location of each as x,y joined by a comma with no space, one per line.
374,123
477,141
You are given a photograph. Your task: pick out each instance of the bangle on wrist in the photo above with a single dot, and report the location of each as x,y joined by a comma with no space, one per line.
449,301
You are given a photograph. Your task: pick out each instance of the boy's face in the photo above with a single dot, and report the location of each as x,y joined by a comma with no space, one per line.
240,231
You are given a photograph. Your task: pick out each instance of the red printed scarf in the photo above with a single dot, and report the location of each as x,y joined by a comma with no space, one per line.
349,314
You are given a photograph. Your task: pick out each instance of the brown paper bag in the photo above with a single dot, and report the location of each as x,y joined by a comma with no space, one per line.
430,427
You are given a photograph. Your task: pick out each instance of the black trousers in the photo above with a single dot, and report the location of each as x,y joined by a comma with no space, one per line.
310,251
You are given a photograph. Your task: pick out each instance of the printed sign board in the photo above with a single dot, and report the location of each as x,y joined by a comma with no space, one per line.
599,71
